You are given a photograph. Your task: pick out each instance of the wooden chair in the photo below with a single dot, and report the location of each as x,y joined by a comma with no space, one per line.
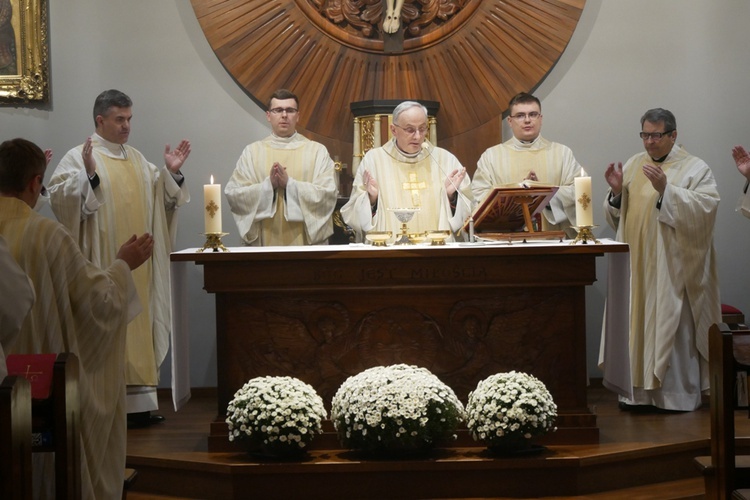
15,438
724,472
55,421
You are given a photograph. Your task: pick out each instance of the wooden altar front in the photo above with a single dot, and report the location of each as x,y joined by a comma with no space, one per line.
325,313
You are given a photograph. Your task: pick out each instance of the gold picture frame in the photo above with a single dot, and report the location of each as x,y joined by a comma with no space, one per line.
24,62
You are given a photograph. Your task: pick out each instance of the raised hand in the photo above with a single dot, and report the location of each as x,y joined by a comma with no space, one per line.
88,157
136,250
371,186
656,175
454,180
174,159
613,176
742,160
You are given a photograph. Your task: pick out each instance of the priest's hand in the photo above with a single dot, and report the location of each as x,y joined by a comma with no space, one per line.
47,156
279,177
371,186
88,158
174,159
454,180
742,160
136,250
613,175
656,175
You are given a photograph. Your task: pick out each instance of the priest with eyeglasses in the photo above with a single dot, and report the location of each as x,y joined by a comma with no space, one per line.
408,172
527,156
283,189
663,203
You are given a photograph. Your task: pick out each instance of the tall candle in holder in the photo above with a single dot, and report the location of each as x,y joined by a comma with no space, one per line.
584,210
212,207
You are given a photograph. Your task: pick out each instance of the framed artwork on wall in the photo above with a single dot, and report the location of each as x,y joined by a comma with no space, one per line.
24,50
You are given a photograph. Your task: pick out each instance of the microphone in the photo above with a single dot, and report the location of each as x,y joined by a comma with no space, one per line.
472,239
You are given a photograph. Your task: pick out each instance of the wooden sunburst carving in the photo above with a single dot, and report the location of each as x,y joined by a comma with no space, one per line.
471,63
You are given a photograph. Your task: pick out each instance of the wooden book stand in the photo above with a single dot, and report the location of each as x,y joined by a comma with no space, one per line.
508,211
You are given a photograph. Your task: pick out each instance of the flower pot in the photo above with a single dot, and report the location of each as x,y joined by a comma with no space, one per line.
266,452
514,447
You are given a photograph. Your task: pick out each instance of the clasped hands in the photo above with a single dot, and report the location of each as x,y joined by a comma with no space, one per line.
653,173
279,177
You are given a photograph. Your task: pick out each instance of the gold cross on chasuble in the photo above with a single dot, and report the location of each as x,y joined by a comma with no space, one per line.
414,186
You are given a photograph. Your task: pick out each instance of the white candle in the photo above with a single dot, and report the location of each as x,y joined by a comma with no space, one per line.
212,206
584,210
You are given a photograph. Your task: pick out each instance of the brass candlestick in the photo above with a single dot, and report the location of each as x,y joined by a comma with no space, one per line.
213,241
585,235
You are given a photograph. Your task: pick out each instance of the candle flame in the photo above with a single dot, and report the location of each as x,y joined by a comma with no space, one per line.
212,179
583,173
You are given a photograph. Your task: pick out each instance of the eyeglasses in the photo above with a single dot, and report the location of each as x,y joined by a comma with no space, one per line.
278,111
411,130
654,135
521,117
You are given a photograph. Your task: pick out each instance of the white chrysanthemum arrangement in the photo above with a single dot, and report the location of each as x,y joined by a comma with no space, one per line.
395,408
276,414
510,406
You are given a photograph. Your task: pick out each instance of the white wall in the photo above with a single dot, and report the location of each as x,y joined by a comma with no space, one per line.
690,56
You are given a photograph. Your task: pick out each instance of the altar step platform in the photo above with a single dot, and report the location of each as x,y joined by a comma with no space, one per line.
638,456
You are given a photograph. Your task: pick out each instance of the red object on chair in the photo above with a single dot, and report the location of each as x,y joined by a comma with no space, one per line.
731,315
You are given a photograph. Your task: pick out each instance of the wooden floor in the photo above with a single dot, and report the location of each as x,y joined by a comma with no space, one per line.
639,456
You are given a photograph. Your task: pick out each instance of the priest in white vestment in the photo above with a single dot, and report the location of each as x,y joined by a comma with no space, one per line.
17,292
742,160
409,172
529,156
283,190
105,190
663,203
80,309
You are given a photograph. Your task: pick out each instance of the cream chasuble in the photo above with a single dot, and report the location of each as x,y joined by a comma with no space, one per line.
511,162
133,197
83,310
672,260
17,292
299,215
408,182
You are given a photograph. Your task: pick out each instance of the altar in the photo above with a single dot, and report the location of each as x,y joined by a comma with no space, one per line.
464,312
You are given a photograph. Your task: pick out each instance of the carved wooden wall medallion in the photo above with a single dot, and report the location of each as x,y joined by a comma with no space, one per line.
471,60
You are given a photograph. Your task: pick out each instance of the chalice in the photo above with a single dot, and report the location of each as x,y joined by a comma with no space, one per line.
404,215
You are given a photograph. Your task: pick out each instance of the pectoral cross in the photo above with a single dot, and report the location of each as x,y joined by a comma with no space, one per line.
414,186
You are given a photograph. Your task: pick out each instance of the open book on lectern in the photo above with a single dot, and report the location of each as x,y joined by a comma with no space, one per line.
511,208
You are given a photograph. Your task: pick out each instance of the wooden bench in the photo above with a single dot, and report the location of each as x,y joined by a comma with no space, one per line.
725,474
15,438
54,422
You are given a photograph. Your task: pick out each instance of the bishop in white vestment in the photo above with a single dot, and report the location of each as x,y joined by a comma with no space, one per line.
408,172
